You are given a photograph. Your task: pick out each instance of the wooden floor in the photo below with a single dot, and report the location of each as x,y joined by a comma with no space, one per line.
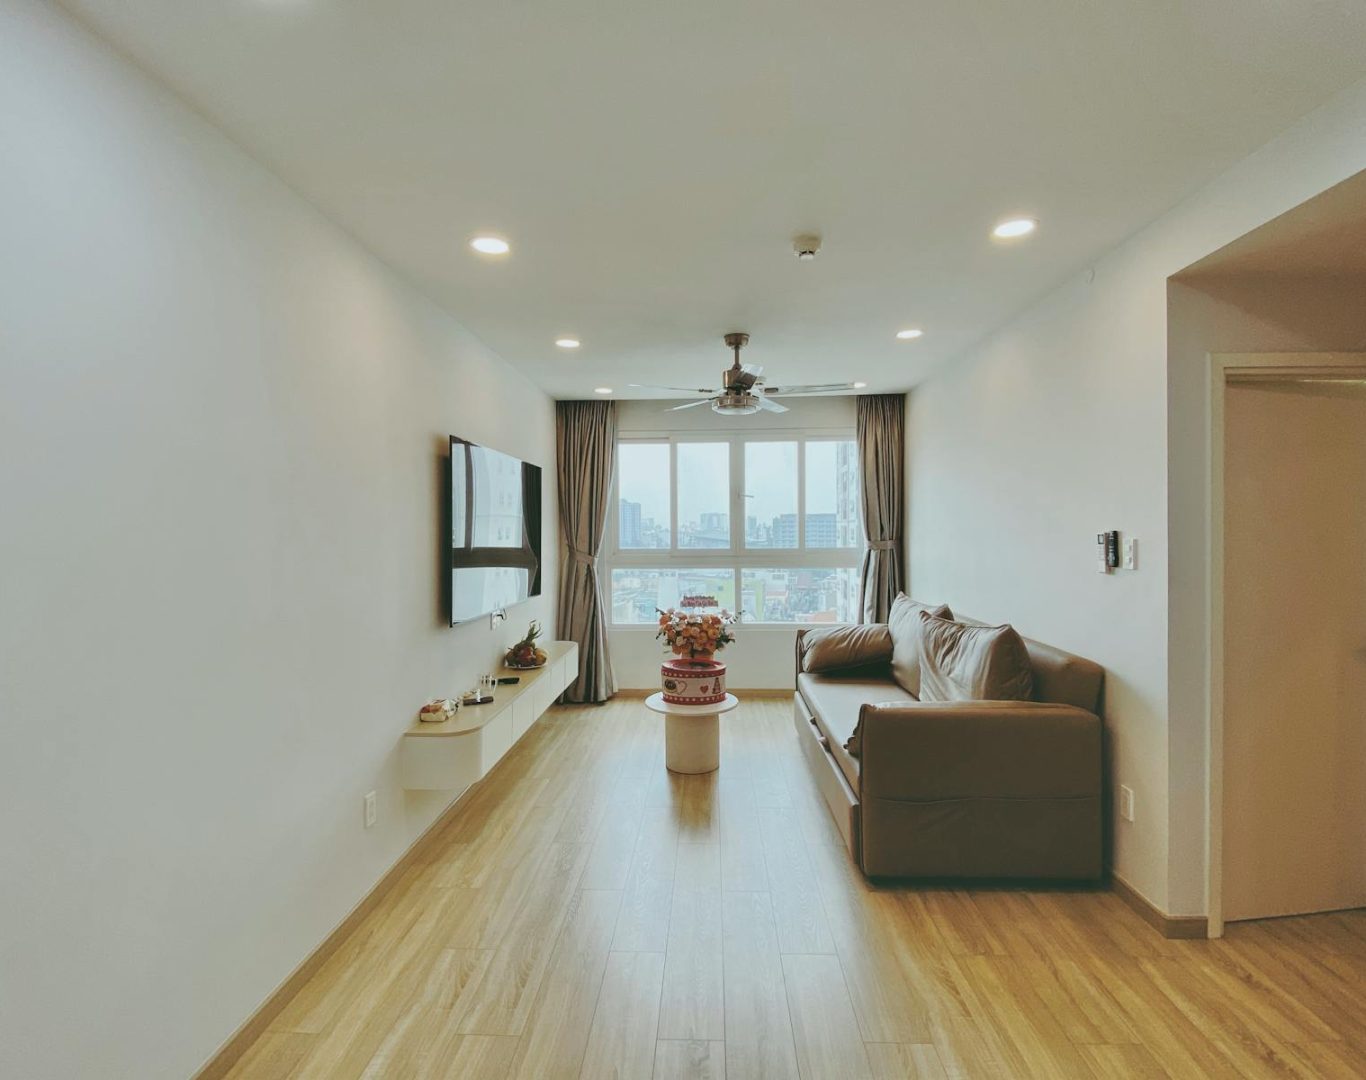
586,913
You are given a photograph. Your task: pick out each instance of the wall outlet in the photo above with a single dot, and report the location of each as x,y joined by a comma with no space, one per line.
371,809
1131,554
1126,802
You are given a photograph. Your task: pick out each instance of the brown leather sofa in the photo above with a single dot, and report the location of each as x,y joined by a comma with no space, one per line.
964,789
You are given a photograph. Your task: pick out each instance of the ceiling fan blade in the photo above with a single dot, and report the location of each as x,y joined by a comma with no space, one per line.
680,389
811,388
771,406
689,405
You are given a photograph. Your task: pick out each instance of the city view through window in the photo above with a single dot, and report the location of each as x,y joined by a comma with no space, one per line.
801,522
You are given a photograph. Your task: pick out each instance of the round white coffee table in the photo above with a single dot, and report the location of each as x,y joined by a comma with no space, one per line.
692,733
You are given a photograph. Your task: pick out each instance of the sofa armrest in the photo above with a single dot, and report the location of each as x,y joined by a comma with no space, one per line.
971,749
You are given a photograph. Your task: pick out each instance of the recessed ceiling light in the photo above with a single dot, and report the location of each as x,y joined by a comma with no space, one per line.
1014,228
908,335
567,342
602,390
859,385
490,245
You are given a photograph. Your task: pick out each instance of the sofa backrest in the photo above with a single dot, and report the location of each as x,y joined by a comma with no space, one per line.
1060,677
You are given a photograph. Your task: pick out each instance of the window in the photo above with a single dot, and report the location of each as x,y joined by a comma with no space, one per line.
643,513
638,593
800,594
703,495
766,525
770,494
832,495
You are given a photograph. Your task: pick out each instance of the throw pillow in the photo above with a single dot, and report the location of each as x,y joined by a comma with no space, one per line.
972,663
903,624
836,647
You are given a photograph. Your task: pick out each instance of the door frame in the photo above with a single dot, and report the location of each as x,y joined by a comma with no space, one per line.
1226,368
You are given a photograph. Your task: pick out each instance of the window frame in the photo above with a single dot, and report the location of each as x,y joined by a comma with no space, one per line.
736,557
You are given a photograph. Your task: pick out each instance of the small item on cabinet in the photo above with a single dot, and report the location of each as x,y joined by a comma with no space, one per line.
437,710
481,694
510,680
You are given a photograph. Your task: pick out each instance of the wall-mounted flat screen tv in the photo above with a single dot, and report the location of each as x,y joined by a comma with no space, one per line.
495,537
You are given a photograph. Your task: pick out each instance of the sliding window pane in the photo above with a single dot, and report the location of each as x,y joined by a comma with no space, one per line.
704,495
643,495
770,494
799,595
833,518
637,594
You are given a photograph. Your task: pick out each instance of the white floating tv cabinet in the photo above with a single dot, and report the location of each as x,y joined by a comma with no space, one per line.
452,755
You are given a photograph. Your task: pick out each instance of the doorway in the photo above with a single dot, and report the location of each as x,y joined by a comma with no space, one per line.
1291,749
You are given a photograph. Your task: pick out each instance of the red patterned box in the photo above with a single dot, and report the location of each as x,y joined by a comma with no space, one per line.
693,682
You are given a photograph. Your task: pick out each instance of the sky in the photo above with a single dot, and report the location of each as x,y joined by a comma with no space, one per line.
704,482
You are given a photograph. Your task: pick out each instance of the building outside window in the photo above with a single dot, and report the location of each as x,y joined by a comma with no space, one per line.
767,525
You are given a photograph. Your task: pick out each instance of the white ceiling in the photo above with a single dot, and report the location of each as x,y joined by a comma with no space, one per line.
650,161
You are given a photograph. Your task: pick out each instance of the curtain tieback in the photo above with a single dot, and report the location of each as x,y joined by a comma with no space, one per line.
881,545
582,557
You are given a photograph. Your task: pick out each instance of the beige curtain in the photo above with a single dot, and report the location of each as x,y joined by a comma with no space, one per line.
882,451
586,441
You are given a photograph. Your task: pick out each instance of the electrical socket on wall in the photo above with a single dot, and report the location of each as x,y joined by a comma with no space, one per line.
1131,553
1126,802
371,809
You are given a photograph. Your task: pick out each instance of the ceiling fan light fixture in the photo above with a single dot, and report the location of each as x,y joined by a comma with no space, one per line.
735,405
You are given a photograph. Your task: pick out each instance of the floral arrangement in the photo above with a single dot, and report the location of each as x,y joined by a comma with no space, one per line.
695,636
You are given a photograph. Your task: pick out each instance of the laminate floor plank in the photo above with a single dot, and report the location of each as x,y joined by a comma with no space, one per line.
826,1034
584,912
690,1060
621,1043
556,1034
758,1024
692,1007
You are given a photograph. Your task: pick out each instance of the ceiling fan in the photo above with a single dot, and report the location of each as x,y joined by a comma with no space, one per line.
743,390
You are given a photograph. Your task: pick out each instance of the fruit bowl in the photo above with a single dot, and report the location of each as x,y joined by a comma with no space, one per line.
526,654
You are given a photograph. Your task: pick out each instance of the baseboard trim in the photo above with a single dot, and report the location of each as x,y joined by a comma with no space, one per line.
227,1055
1176,927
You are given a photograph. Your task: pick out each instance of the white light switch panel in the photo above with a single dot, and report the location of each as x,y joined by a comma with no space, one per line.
371,809
1131,554
1126,802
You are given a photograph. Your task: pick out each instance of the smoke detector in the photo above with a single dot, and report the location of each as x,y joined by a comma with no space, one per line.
805,247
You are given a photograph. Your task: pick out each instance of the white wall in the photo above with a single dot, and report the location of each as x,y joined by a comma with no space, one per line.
220,427
761,657
1255,313
1058,426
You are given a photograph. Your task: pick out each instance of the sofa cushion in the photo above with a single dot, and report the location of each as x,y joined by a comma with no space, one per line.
903,624
835,701
972,663
833,648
